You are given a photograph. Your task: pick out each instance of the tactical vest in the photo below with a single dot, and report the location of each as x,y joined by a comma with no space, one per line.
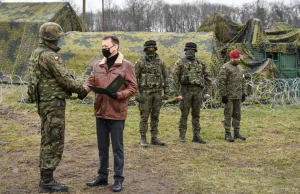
192,72
45,85
34,75
151,74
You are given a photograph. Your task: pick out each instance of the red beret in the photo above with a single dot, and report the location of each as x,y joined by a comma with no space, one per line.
235,54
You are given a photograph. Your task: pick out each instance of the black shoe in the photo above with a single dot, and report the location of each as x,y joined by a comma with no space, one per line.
99,180
198,139
117,187
156,141
52,186
238,136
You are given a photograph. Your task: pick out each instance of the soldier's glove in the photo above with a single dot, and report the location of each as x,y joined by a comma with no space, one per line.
82,94
139,98
165,97
113,95
225,99
243,98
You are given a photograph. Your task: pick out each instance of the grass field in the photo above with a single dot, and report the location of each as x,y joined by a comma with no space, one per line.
267,162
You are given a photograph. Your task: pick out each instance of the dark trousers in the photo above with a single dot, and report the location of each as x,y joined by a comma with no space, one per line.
115,129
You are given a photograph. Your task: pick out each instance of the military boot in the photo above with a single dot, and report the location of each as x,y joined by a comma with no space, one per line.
198,139
228,136
143,141
49,185
156,141
182,138
237,135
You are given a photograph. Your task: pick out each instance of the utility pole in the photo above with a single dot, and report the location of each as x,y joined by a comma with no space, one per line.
83,16
103,15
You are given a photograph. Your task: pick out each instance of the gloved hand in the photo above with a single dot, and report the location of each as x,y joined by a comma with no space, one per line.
113,95
243,98
225,99
165,97
82,94
139,98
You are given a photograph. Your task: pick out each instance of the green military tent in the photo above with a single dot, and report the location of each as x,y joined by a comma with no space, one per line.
281,43
19,27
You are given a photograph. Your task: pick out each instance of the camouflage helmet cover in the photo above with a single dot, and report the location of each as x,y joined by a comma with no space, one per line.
51,31
150,43
190,45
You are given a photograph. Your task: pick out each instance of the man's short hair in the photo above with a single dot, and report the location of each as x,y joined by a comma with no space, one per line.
114,39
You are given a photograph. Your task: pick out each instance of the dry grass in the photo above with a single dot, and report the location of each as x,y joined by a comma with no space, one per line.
267,162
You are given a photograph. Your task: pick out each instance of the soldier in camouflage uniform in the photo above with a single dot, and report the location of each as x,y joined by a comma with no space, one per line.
152,80
233,91
49,86
190,77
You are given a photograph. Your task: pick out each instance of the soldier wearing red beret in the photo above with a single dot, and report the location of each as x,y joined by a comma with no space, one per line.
233,90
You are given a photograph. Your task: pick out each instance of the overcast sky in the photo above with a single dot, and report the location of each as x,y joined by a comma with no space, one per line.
96,4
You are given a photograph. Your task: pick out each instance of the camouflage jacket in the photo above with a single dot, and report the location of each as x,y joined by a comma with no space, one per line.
151,75
191,72
232,81
49,77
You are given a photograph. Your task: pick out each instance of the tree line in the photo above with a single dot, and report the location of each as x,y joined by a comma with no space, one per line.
159,16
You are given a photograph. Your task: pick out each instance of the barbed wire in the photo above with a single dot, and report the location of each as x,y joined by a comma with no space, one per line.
271,92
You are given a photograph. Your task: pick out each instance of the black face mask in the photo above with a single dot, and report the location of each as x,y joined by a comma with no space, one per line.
190,54
150,52
106,51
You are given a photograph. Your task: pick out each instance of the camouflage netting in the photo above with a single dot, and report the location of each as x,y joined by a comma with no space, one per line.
80,50
230,35
19,27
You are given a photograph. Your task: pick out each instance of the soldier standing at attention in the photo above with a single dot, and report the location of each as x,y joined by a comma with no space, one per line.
152,80
233,91
190,77
49,86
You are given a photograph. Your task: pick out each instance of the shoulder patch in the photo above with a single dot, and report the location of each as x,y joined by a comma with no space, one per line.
56,58
223,67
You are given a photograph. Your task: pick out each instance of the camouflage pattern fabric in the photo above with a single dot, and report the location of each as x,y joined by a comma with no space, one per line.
232,110
254,41
232,84
52,114
152,79
190,77
192,99
151,106
232,81
53,78
19,30
191,72
151,74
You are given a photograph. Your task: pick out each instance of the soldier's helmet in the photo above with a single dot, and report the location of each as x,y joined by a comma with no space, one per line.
150,43
51,31
190,45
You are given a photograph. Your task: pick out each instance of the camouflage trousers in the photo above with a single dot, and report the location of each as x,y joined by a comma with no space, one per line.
152,105
52,114
192,99
232,110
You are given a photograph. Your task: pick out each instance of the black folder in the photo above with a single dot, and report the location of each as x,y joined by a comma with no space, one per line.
113,87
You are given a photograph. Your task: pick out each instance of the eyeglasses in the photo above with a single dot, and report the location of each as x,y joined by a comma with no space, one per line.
107,48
